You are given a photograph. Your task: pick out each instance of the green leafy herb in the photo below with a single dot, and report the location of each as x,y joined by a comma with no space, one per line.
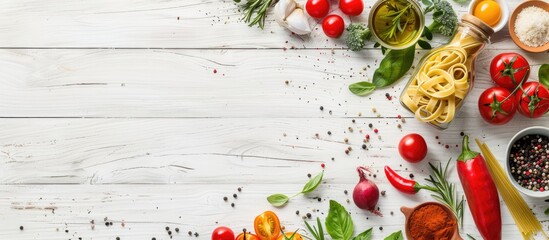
400,16
366,235
362,88
395,236
543,75
445,192
424,44
393,66
546,211
290,237
338,222
317,232
257,7
313,183
279,200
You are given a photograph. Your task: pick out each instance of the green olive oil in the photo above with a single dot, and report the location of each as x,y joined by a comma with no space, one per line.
397,22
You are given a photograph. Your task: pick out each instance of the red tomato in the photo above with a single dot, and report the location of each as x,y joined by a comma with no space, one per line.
317,8
533,102
333,26
351,7
412,148
267,226
247,236
509,69
496,106
222,233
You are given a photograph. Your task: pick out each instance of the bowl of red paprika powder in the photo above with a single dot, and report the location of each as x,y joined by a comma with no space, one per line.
431,221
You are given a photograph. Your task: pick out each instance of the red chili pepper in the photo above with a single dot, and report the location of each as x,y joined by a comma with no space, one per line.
481,192
402,184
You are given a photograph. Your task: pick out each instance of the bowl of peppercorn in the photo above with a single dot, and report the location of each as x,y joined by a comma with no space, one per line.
528,161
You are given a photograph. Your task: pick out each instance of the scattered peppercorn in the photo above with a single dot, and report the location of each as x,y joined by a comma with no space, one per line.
370,125
195,234
321,108
329,133
364,146
297,212
176,230
461,134
383,193
117,238
190,233
232,204
239,189
322,165
167,228
375,130
381,228
225,199
411,175
234,195
345,192
21,228
169,232
308,175
308,215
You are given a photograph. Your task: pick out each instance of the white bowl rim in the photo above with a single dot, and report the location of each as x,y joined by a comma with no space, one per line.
505,13
541,130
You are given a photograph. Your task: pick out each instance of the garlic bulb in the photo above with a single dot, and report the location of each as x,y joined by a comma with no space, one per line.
291,16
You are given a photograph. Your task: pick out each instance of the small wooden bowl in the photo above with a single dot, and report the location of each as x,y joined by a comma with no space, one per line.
538,3
408,212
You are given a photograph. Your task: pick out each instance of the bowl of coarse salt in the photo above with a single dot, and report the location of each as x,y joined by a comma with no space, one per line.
529,26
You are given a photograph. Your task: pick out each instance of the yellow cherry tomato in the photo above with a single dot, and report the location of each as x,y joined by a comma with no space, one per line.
288,235
488,11
267,226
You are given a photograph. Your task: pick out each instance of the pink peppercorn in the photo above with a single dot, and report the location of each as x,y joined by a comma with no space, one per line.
323,165
375,130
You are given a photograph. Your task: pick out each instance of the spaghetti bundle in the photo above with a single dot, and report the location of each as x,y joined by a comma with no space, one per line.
526,222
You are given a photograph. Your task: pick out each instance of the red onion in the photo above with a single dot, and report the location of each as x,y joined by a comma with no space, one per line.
366,193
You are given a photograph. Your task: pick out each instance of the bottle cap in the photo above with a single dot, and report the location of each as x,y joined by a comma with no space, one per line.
485,28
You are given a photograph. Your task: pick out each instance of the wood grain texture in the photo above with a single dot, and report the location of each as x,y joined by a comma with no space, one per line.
112,109
157,24
46,211
182,83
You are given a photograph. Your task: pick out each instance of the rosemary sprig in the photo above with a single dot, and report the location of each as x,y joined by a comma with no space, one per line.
318,233
257,7
445,192
399,18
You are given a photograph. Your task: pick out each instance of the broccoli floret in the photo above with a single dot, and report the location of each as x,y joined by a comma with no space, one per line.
445,19
357,35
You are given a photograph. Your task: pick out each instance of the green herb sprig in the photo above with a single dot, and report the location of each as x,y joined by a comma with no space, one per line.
399,18
445,192
258,8
279,200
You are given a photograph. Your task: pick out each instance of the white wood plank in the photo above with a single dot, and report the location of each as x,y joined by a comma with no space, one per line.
182,83
157,24
182,151
146,210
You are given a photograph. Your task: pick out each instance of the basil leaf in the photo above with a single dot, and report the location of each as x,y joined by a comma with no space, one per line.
362,88
427,32
543,75
427,2
278,200
393,66
366,235
424,44
395,236
338,222
313,183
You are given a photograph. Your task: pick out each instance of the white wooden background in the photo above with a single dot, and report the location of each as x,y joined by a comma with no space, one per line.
112,109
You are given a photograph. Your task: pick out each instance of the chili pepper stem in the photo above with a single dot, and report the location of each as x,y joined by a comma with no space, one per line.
466,152
426,187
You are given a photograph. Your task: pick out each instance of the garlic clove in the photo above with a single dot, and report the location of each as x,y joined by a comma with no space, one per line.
283,9
298,22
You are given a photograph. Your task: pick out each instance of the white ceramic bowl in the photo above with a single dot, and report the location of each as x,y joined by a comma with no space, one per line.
527,131
504,13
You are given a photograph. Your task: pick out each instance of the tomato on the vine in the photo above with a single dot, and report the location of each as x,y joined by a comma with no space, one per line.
290,235
317,8
222,233
496,105
532,100
333,26
247,236
351,7
267,226
412,148
509,69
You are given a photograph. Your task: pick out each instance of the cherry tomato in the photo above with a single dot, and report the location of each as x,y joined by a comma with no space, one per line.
267,226
351,7
496,105
533,102
222,233
288,235
333,26
509,69
412,148
248,236
317,8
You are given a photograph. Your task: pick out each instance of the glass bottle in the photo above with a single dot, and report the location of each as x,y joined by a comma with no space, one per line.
445,75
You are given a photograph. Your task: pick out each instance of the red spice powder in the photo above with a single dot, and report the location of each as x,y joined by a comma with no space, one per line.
431,222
